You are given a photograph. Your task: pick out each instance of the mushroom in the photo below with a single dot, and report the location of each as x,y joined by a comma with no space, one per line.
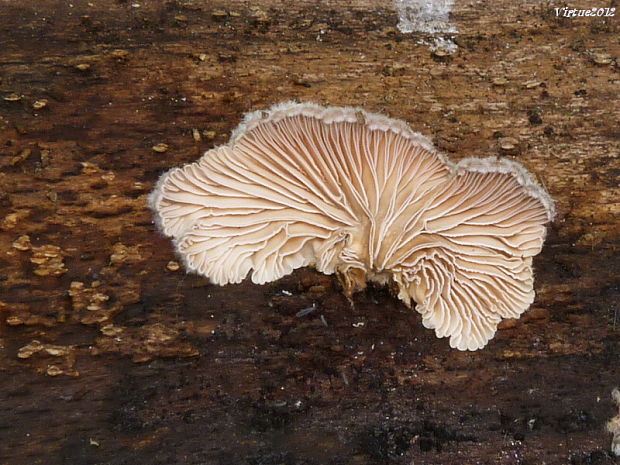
361,195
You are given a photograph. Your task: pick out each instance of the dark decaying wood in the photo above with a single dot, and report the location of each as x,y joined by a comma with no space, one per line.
109,354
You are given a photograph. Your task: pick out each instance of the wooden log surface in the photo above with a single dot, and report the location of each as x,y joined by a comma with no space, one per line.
109,354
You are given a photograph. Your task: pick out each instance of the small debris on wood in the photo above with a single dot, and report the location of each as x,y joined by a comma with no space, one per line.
39,104
602,59
160,148
23,156
109,176
260,18
304,23
53,370
22,243
119,53
395,69
531,84
299,81
219,15
111,330
534,117
12,98
306,311
52,195
89,168
224,57
442,53
509,146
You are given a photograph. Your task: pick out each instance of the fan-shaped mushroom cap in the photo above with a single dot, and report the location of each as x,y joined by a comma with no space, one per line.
362,195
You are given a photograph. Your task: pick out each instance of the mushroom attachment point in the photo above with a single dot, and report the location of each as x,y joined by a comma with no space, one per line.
361,195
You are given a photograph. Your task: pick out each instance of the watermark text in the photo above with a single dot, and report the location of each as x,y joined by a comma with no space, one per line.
575,13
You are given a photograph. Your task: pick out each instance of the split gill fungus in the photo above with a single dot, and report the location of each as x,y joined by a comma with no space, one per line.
361,195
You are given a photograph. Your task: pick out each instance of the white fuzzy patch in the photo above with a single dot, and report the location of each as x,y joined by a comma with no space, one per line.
430,16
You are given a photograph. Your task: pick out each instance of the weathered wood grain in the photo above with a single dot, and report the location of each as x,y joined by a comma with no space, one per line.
138,363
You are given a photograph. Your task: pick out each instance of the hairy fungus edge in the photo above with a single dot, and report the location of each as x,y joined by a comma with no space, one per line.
512,168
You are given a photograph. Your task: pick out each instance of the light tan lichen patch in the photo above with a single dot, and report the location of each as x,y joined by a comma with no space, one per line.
143,343
92,304
21,157
48,260
11,220
22,243
173,266
111,330
113,206
62,362
160,148
122,254
21,314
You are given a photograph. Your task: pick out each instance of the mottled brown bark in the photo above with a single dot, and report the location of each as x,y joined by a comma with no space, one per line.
136,362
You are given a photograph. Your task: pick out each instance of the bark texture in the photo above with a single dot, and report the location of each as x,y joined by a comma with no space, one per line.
111,354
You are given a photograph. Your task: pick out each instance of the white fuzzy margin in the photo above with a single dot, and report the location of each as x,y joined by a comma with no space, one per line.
378,122
155,197
513,168
328,115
